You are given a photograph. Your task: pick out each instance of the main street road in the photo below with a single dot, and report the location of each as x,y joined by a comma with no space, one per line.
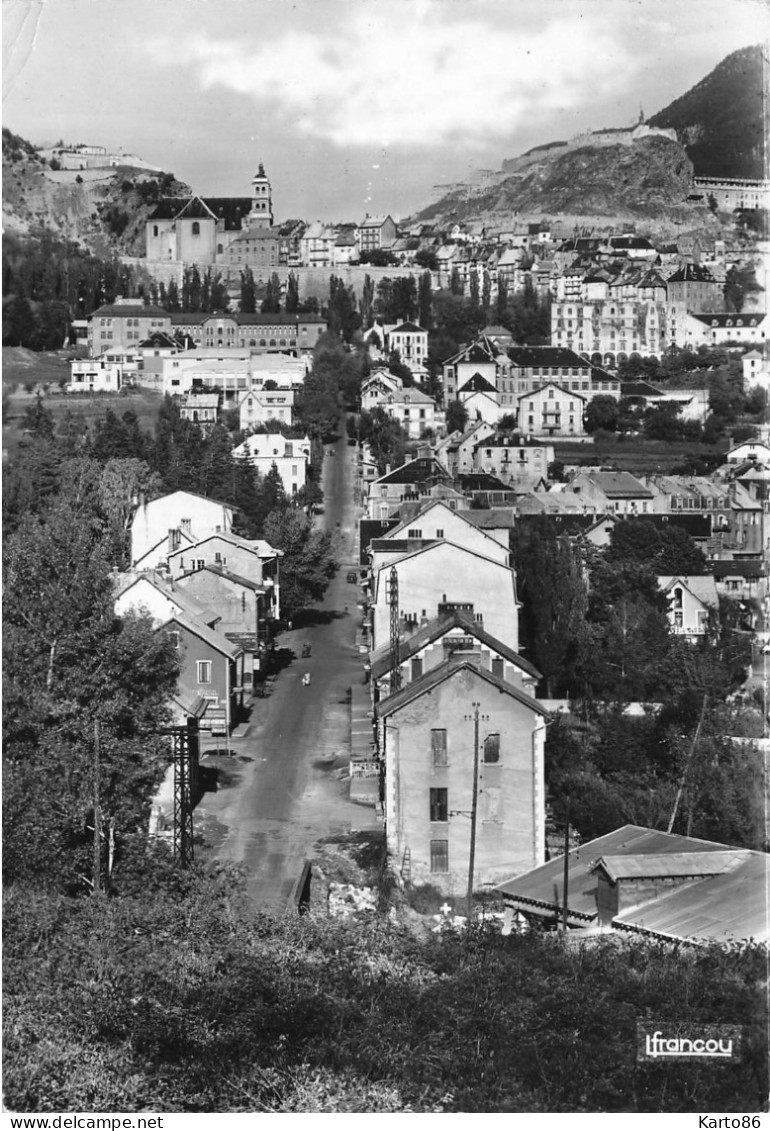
281,790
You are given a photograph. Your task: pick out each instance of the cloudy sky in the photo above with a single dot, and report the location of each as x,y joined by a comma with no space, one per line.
354,106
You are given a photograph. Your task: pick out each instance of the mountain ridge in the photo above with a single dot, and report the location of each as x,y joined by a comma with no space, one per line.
717,128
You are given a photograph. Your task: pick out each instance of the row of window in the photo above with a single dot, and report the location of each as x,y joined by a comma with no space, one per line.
440,757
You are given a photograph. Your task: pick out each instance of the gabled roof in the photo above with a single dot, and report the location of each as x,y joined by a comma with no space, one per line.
447,670
538,393
188,604
619,485
440,626
418,470
703,588
477,384
437,545
194,209
159,340
481,481
639,389
649,865
482,350
212,638
429,504
407,328
187,494
227,575
255,546
375,221
491,518
692,273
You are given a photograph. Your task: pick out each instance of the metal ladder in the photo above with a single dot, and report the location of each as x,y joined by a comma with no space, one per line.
406,866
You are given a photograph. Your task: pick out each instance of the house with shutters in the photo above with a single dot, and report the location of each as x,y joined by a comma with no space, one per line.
410,341
201,409
434,731
414,410
513,456
376,232
551,411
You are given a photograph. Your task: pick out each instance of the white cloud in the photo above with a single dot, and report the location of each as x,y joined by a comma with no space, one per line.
414,80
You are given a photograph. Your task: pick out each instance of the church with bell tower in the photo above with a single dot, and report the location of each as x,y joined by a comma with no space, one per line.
224,231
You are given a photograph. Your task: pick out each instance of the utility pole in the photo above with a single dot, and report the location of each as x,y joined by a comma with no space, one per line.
565,899
97,812
686,768
395,643
474,804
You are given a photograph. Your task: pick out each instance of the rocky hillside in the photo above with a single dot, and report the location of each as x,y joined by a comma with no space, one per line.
103,210
721,120
647,180
720,131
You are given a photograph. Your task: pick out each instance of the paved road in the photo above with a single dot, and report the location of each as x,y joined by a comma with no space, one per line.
283,790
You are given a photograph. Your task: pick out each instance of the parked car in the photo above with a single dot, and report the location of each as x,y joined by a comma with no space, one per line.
352,577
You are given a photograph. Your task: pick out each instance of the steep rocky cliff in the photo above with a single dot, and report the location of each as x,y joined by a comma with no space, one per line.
103,210
649,179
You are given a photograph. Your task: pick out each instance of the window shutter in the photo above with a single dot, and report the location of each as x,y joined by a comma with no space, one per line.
438,747
492,748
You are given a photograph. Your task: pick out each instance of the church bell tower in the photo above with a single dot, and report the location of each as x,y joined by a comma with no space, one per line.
261,215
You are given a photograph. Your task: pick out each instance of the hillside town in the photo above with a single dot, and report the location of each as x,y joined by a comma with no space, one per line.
400,574
436,584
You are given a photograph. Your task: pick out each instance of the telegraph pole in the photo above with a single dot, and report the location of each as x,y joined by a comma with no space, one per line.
97,813
565,903
395,643
474,801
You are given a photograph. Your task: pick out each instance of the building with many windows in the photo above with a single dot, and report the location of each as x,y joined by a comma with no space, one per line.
123,324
